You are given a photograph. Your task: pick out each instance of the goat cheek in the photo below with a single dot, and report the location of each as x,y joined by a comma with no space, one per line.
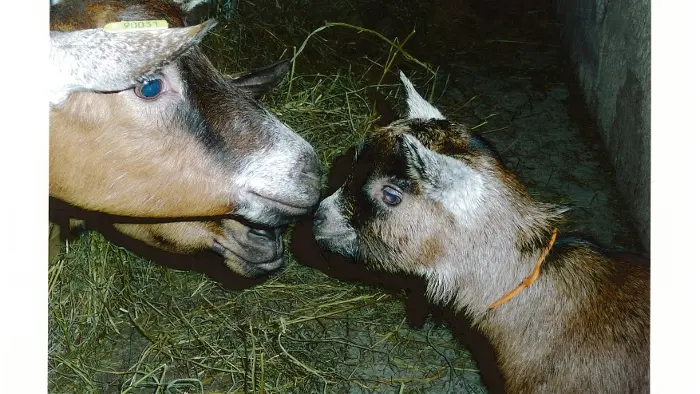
430,251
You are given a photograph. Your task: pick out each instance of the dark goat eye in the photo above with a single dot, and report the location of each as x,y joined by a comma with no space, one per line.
391,196
150,89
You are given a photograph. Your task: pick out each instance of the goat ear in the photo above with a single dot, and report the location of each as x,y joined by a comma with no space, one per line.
418,107
262,80
97,60
422,163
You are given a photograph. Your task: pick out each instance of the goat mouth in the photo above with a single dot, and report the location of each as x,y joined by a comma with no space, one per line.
243,265
265,210
250,249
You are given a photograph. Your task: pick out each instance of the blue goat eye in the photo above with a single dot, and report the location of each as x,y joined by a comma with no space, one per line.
391,196
150,89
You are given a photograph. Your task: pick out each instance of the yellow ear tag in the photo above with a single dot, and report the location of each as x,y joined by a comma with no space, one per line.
126,26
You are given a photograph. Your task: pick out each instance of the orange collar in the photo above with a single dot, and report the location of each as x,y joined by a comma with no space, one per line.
530,279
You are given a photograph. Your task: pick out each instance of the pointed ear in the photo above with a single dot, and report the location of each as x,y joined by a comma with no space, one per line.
418,107
97,60
262,80
422,163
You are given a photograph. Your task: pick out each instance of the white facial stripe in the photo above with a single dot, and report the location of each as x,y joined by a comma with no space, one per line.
271,167
418,107
274,174
334,230
266,170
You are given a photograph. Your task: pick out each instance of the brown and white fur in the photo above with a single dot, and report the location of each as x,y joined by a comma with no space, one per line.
465,224
203,153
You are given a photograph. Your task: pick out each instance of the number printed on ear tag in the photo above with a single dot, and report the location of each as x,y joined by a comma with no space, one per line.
124,26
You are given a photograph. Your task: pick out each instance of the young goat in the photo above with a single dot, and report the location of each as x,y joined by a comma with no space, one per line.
426,196
143,126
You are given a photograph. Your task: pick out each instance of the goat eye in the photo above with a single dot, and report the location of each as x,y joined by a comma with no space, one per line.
150,89
391,196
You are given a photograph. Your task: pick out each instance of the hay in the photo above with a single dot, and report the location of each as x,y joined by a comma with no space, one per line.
121,324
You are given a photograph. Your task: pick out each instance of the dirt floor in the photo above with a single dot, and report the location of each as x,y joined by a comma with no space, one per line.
501,70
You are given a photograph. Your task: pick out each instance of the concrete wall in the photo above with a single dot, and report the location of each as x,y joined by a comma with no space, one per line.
610,46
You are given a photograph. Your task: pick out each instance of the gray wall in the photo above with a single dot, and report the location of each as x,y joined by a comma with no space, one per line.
610,47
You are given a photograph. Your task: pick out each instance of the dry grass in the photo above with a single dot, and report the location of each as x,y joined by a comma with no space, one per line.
121,324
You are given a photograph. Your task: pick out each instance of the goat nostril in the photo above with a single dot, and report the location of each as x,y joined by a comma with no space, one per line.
319,217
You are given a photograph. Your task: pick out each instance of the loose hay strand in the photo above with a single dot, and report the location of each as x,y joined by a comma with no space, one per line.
359,29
